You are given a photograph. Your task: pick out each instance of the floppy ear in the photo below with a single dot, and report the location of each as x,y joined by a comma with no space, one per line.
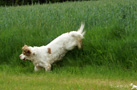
25,46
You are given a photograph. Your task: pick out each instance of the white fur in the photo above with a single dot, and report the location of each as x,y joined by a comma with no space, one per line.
41,57
133,86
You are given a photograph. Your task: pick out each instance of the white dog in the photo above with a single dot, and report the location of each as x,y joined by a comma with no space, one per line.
44,56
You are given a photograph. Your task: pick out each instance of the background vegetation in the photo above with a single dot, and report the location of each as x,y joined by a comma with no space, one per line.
110,39
108,60
25,2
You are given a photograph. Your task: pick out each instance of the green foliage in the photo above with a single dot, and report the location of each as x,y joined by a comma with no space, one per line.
110,39
25,2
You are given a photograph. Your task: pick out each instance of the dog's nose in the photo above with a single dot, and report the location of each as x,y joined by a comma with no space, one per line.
20,56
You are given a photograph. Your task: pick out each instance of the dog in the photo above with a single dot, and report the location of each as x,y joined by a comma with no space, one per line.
44,56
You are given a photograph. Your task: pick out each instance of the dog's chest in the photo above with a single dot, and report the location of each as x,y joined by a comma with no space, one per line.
36,62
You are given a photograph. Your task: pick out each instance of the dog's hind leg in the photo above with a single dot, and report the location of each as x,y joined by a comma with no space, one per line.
47,67
79,43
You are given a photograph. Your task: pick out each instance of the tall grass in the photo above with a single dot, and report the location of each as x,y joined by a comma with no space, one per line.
110,39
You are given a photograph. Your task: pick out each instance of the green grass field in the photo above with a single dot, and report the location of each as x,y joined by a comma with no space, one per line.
66,78
60,82
108,58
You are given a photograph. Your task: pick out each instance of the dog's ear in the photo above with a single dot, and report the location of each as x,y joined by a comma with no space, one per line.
25,46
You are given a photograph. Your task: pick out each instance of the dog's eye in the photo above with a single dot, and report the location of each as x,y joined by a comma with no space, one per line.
26,52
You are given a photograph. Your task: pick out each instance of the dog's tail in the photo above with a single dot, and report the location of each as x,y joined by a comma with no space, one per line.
79,33
80,30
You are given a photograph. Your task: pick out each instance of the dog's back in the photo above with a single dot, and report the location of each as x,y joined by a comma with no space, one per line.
66,42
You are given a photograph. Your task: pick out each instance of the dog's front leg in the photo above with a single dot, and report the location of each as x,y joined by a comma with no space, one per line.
47,67
36,68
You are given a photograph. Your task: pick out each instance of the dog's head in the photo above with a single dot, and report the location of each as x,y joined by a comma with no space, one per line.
26,53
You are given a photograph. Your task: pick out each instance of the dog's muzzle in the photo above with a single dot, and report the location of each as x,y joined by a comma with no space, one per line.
22,57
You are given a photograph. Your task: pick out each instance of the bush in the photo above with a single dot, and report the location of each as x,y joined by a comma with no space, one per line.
25,2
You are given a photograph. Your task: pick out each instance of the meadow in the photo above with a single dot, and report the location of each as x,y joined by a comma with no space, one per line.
107,60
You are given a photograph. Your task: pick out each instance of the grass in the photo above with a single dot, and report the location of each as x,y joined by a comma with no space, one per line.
66,78
110,38
58,82
109,53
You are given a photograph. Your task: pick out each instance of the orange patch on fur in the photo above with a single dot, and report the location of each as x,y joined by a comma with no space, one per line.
26,51
49,50
80,44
